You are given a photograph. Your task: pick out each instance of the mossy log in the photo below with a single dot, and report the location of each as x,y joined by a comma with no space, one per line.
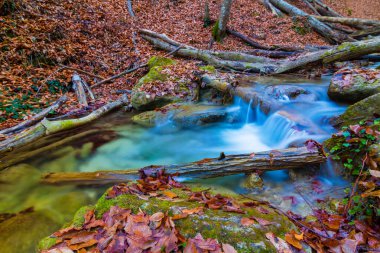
348,21
250,63
46,127
321,28
210,167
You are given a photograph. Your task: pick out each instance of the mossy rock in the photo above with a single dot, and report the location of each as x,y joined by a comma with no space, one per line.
185,115
142,100
224,226
359,88
362,110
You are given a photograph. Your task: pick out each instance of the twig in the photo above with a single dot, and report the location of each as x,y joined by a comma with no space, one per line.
311,7
131,70
130,9
82,71
347,208
312,209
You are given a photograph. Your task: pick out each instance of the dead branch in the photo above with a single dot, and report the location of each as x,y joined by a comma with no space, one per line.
348,21
321,28
250,63
46,127
273,9
36,118
206,168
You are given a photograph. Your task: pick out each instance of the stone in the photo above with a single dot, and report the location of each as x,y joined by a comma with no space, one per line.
185,115
143,100
354,85
253,181
223,226
362,110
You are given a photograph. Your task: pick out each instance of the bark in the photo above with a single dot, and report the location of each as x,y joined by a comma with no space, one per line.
221,26
326,10
321,28
210,167
36,118
46,127
348,21
311,7
250,63
375,31
130,9
79,90
273,9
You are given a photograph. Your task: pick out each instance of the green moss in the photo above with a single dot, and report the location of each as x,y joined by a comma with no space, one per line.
78,219
157,61
215,32
46,243
208,68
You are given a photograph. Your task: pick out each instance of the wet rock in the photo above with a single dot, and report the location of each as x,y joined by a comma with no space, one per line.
362,110
186,115
22,232
290,93
354,85
142,99
253,181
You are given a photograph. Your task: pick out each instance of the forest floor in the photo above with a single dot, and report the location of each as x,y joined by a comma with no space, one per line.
37,38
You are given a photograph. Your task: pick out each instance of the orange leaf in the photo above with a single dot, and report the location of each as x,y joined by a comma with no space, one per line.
246,221
170,194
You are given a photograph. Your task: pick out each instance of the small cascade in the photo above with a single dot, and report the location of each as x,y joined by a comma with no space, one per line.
260,117
277,128
249,111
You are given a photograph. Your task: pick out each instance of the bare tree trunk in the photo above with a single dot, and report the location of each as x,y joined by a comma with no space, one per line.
210,167
221,26
250,63
348,21
324,30
46,127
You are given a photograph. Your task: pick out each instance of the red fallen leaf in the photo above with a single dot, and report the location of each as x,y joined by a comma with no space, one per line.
292,198
355,128
232,209
280,245
82,236
206,160
64,231
190,247
208,244
157,217
227,248
170,194
84,244
263,222
198,209
252,155
246,222
294,239
262,210
179,216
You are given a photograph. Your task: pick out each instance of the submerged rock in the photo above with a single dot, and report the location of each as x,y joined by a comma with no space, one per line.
22,232
253,181
290,92
362,110
185,115
354,85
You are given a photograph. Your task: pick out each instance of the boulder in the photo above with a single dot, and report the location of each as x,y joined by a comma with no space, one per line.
148,94
226,227
186,115
354,85
289,93
362,110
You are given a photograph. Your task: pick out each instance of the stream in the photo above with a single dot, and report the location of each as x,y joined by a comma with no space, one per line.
115,143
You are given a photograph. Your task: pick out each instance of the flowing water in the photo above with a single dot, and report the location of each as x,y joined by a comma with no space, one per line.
132,146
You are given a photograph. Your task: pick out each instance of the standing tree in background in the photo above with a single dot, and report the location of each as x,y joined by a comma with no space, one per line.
219,31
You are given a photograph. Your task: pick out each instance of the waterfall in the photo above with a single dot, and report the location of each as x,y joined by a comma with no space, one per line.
249,111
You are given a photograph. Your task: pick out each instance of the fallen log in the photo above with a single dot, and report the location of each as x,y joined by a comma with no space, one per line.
36,118
210,167
46,127
321,28
249,63
273,9
348,21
